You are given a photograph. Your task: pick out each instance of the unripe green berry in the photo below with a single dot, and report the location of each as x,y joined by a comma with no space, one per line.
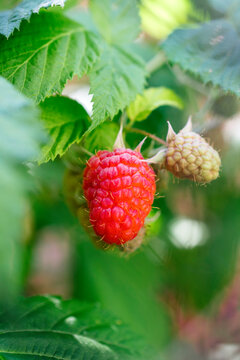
189,156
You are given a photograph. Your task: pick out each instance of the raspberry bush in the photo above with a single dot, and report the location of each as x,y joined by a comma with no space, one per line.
135,225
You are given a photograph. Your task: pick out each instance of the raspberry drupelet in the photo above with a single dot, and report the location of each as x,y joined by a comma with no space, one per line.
119,187
189,156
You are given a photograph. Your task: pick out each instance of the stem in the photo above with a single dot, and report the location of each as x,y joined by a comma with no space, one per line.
208,104
155,253
187,80
202,126
85,151
203,129
156,62
145,133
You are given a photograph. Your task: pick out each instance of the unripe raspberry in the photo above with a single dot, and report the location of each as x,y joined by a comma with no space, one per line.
189,156
119,187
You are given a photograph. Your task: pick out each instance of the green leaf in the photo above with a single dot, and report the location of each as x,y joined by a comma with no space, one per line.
20,138
210,51
115,80
54,329
46,53
11,19
102,138
117,20
151,99
65,121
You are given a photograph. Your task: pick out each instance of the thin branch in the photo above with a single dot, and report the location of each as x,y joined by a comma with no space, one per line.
213,95
188,81
204,128
145,133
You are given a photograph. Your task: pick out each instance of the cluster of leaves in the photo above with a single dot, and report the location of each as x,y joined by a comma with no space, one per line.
51,49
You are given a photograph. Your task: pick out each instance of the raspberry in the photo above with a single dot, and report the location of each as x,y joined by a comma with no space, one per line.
189,156
119,187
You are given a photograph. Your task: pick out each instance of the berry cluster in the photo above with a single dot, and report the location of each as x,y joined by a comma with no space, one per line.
119,185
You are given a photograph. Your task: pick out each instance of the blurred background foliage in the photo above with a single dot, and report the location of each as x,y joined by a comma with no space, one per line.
178,283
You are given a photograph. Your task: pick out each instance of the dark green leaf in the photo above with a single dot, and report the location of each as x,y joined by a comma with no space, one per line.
11,19
66,121
46,53
65,330
210,51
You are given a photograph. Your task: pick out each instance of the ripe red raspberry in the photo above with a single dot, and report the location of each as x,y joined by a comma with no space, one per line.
119,187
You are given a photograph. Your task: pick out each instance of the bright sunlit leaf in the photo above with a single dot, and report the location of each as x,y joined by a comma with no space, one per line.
151,99
46,53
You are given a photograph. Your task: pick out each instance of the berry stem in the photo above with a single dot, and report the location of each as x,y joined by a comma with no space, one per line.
188,81
213,95
145,133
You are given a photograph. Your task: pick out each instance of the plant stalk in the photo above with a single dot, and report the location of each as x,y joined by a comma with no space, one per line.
145,133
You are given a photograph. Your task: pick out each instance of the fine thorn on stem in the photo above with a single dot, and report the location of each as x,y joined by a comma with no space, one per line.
119,142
